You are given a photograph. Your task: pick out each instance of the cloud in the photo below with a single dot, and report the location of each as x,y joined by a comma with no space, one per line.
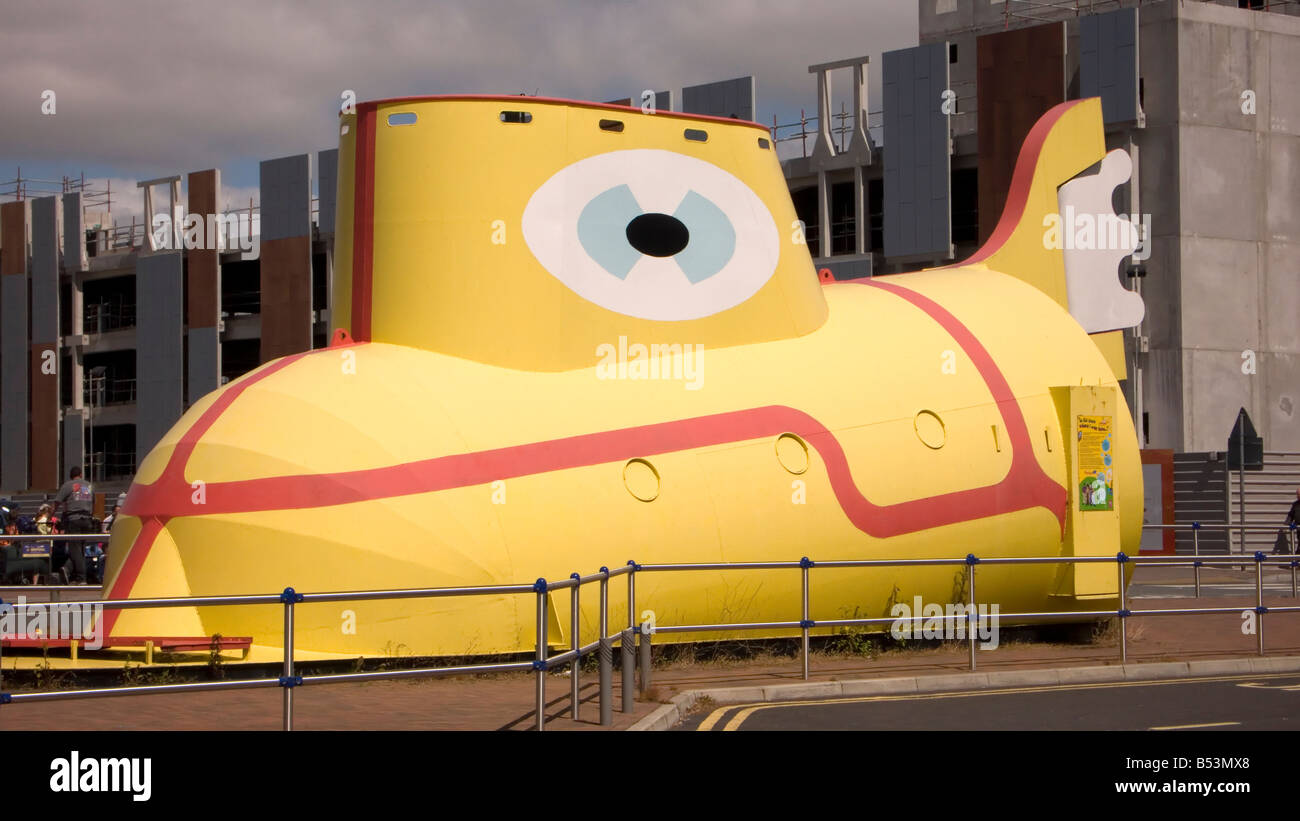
150,89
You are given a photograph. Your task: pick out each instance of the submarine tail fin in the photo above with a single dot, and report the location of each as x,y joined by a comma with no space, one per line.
1065,141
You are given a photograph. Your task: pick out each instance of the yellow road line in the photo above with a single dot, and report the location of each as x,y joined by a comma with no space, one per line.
1197,726
747,710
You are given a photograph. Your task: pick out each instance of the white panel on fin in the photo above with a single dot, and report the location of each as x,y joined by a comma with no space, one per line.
1094,240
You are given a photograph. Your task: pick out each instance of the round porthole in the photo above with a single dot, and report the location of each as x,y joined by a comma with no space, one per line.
641,479
929,429
792,453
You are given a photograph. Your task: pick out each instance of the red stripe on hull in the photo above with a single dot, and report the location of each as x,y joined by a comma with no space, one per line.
1025,486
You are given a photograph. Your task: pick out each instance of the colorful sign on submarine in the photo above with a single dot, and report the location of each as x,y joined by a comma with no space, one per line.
568,335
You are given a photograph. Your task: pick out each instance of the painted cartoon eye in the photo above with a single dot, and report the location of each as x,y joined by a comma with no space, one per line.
652,234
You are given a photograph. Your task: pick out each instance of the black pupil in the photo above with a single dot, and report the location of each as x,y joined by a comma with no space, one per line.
657,235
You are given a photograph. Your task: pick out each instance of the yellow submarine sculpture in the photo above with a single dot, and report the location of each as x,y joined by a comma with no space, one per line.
568,335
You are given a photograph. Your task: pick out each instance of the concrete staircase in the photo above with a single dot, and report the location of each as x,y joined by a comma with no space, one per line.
1206,491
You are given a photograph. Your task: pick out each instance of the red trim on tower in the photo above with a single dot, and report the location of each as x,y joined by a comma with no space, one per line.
363,221
523,101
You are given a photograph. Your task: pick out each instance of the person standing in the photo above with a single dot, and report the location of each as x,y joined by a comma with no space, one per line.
1293,519
77,499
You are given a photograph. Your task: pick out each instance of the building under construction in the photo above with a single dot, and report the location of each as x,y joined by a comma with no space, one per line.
110,333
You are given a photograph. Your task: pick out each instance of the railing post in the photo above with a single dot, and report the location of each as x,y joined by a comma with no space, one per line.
1295,548
287,679
805,621
644,662
606,655
631,594
628,642
1120,559
575,645
972,620
627,646
1196,551
539,664
1260,609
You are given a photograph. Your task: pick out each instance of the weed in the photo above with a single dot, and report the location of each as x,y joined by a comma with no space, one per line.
703,704
216,667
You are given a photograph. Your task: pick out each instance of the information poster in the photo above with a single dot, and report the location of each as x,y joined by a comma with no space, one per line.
1096,474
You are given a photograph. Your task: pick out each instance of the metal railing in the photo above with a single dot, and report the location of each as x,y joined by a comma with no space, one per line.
8,539
540,665
1196,527
969,617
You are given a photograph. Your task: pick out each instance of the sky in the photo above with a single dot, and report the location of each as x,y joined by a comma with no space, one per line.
149,89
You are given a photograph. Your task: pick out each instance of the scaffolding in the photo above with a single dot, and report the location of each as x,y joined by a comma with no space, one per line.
840,132
92,198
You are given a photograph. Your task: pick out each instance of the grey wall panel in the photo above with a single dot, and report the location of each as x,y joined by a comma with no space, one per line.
1108,63
45,271
286,197
74,234
847,268
327,175
729,98
13,382
74,440
158,365
917,217
204,350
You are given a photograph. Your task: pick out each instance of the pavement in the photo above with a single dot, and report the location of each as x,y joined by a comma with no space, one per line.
1180,646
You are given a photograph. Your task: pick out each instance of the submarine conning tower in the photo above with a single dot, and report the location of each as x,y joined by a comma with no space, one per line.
524,232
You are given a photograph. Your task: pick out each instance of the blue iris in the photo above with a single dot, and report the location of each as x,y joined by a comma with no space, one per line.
602,230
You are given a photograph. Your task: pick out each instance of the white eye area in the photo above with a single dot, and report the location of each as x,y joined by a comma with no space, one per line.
652,234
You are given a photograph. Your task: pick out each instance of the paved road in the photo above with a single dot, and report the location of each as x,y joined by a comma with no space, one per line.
1223,703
